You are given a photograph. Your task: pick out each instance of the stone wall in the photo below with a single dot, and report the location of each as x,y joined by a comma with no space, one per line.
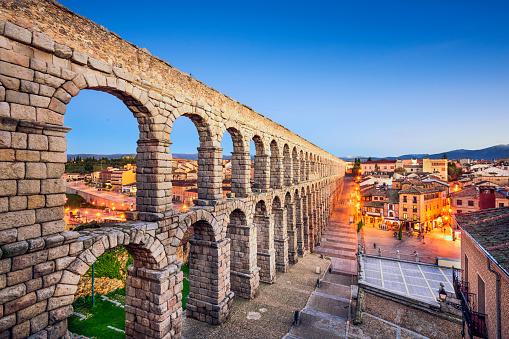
425,320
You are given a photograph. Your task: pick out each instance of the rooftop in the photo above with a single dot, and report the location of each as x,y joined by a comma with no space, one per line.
490,228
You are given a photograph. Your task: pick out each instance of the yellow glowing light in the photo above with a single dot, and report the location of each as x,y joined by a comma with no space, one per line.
446,218
450,210
122,204
122,216
103,203
184,206
67,209
111,204
98,214
86,212
93,202
113,208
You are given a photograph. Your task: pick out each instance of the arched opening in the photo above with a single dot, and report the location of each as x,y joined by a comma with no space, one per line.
305,218
236,170
287,165
302,167
299,222
296,166
244,272
276,166
104,249
261,165
100,173
291,230
196,177
280,236
210,297
265,242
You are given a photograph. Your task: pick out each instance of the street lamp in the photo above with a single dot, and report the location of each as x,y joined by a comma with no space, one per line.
86,216
442,294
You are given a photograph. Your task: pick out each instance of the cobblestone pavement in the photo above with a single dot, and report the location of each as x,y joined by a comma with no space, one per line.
436,244
339,241
270,314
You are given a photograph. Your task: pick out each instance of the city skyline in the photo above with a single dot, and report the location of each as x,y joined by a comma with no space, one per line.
335,76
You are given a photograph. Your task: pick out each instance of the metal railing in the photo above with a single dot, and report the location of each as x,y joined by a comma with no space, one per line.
476,321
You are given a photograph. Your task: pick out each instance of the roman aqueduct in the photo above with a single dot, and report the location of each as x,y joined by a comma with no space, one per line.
48,55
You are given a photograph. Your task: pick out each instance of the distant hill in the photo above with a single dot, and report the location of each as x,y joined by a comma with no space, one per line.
490,153
119,155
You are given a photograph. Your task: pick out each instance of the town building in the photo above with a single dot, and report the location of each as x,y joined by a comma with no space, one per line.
468,199
122,177
483,283
435,166
378,166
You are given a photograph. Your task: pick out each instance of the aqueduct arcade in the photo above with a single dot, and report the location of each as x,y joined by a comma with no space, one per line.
48,55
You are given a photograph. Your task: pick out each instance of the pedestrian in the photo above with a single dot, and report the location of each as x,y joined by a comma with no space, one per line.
374,245
423,239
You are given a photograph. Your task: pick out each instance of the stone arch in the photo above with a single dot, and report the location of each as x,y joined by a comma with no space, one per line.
280,235
295,165
276,166
153,138
210,296
210,154
287,165
244,273
266,253
150,267
240,161
291,229
261,165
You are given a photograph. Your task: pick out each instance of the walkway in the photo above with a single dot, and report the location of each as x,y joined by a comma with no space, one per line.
270,314
339,241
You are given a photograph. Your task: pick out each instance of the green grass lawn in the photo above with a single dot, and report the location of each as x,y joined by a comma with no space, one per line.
106,313
99,317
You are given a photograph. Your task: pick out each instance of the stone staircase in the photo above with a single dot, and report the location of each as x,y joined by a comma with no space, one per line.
339,241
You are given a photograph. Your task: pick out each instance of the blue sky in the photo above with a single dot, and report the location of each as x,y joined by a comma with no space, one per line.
373,78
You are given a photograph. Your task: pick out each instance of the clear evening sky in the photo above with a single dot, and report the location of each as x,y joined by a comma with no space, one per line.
373,78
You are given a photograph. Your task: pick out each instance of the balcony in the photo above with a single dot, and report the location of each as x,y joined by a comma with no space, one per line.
476,322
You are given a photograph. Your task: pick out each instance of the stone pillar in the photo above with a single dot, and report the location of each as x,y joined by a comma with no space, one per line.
153,302
312,230
153,180
305,227
276,172
296,170
210,297
266,252
210,174
244,273
261,172
281,240
241,174
288,170
293,255
302,170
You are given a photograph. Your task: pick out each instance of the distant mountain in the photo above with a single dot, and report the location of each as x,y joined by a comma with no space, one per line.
490,153
119,155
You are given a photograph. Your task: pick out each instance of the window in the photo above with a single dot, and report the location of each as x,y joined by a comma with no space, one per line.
459,202
465,278
377,210
470,203
404,208
404,198
414,200
414,209
405,216
415,218
458,212
480,295
501,204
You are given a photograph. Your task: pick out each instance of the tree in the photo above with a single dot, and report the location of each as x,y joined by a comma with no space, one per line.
369,159
453,171
444,156
400,170
356,167
400,232
376,168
